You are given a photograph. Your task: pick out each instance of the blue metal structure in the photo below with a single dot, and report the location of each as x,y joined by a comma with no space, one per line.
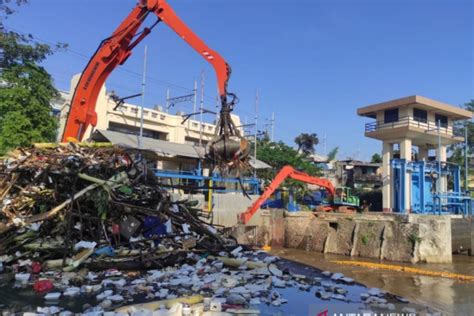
200,180
425,197
311,200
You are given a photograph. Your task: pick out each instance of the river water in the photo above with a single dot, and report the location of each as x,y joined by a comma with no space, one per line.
451,297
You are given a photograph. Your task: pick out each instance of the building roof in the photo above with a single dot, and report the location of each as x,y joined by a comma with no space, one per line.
318,158
359,163
258,164
161,147
452,111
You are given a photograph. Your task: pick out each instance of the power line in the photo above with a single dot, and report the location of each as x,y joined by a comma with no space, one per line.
122,69
127,71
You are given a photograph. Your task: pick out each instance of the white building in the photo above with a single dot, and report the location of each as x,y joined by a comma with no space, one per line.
175,143
157,123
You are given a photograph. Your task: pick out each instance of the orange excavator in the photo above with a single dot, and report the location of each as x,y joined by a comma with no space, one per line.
341,198
228,147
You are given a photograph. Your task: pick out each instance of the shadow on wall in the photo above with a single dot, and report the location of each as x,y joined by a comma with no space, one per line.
373,200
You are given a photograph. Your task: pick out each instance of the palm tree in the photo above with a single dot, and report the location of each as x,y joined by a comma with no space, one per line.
306,142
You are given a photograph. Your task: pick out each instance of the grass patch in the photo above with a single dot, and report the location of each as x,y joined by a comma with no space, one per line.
414,238
365,239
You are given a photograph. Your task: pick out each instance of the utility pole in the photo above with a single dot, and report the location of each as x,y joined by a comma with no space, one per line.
323,142
195,96
256,132
167,100
466,163
218,104
201,107
439,157
140,138
273,127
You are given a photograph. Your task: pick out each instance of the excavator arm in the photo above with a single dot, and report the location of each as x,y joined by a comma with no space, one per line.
115,50
285,172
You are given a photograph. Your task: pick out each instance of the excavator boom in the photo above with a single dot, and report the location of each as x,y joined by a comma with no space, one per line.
285,172
116,49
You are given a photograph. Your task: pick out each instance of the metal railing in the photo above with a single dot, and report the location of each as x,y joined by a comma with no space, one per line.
251,184
408,121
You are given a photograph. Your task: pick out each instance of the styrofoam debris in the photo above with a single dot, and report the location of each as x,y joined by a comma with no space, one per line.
185,228
236,251
277,282
374,292
347,280
72,291
85,245
52,296
115,298
22,277
270,259
104,294
337,276
229,281
275,271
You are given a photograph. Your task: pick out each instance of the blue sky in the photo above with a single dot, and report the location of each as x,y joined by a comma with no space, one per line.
314,62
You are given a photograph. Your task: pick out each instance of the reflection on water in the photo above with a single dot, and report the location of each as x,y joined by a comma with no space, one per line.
449,296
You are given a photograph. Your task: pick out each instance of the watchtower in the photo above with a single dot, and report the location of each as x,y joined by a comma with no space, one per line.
410,129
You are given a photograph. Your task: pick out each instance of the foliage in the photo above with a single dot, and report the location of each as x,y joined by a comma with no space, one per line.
6,8
26,89
414,238
307,142
365,239
279,155
376,158
457,150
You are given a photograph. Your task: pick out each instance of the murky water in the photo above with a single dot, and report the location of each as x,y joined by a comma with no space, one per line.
299,301
452,297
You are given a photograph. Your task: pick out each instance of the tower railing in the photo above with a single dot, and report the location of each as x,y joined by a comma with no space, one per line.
408,121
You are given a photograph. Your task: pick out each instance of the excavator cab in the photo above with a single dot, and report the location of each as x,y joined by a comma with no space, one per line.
343,198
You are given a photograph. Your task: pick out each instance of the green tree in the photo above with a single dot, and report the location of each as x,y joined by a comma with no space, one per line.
306,142
376,158
26,89
278,155
457,150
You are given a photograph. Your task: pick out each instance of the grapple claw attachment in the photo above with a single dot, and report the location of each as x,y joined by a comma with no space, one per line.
227,149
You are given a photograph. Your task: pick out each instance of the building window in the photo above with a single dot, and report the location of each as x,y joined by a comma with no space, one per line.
442,119
154,115
391,116
145,112
420,115
135,130
134,110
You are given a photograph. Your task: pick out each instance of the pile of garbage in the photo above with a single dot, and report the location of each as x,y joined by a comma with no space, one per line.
70,206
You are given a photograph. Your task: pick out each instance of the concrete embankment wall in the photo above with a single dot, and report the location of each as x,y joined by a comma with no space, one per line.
396,237
406,238
462,234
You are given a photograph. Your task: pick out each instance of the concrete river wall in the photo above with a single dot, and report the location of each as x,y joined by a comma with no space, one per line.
387,236
396,237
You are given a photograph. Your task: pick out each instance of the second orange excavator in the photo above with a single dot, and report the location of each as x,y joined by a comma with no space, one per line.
341,198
